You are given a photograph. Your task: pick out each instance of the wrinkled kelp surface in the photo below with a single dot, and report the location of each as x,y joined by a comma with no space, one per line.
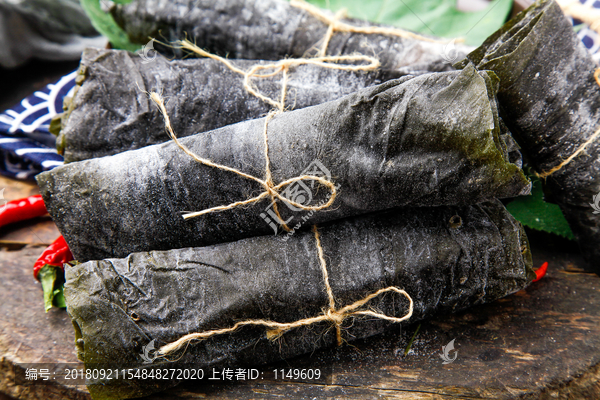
268,30
551,102
430,140
111,111
446,258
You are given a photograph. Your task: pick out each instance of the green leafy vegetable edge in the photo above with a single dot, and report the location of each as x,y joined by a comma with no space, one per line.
533,212
433,17
106,25
52,280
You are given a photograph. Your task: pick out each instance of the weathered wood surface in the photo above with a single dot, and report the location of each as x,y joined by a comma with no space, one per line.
541,343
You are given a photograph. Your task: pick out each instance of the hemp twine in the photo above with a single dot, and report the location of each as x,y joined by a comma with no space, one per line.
283,66
581,148
330,314
271,189
335,25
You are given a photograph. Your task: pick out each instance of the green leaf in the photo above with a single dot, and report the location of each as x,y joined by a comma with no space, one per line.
533,212
433,17
106,25
59,297
52,283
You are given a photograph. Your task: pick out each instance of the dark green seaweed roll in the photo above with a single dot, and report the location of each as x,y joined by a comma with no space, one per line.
445,258
550,100
428,140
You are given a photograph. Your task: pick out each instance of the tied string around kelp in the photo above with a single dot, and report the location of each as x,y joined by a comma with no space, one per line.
334,24
283,67
256,72
330,314
271,190
581,148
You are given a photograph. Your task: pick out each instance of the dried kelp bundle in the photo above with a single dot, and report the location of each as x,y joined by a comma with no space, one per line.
445,258
271,30
111,112
424,141
551,102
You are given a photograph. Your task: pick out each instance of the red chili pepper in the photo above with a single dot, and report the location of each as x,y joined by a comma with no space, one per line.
22,209
540,272
56,254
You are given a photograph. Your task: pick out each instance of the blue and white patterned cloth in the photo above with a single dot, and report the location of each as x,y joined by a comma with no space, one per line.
27,148
589,37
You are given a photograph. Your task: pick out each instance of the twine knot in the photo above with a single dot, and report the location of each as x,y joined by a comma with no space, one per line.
283,67
334,316
271,190
331,314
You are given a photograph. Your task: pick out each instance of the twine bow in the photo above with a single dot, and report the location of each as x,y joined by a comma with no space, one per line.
271,189
283,66
333,315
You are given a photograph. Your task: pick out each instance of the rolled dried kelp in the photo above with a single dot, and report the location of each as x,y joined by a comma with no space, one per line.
111,112
271,30
424,141
445,258
550,100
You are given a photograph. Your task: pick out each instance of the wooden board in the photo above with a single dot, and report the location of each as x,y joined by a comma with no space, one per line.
540,343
